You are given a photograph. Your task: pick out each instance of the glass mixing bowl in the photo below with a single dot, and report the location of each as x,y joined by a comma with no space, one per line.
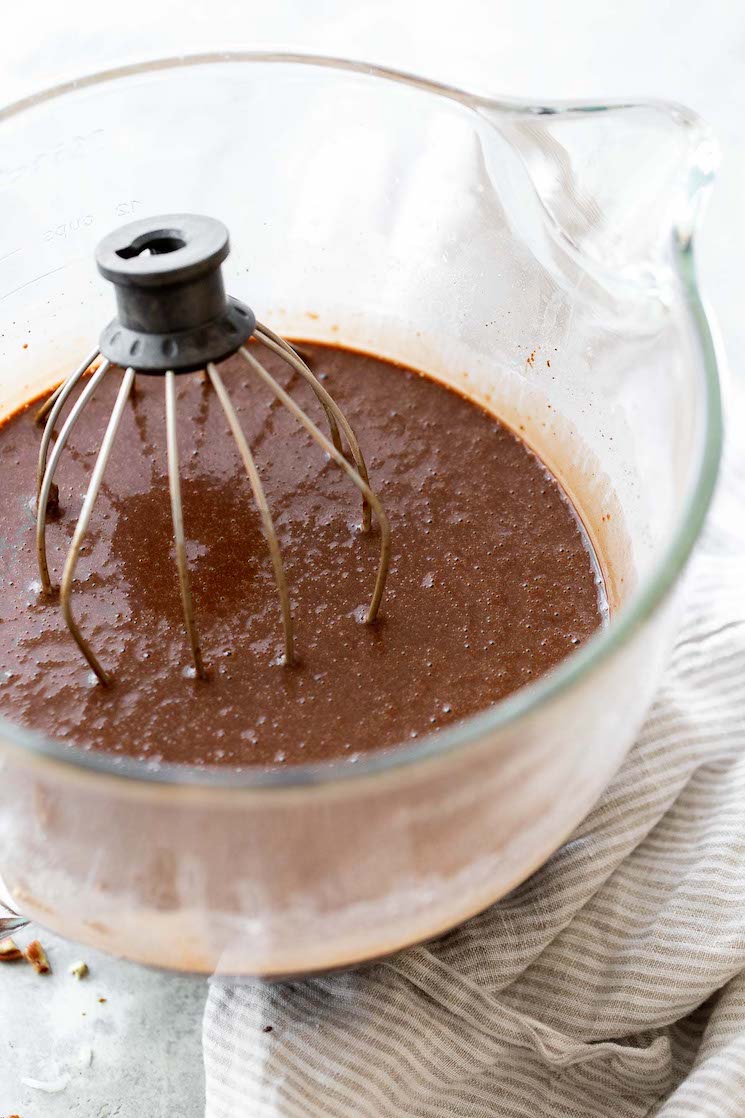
539,259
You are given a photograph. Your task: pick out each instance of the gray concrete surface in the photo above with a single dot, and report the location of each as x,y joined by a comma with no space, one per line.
135,1055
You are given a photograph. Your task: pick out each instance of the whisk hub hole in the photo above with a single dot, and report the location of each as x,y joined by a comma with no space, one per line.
157,243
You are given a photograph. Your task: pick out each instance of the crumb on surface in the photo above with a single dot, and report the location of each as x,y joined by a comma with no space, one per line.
10,952
37,957
79,970
102,1000
268,1029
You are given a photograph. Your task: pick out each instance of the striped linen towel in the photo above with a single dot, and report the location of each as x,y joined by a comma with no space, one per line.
611,984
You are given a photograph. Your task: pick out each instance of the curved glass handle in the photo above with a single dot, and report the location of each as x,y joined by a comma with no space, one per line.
617,184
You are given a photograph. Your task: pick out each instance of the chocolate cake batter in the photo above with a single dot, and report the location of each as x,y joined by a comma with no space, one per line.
491,582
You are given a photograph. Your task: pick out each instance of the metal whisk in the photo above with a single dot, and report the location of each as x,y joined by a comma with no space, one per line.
174,317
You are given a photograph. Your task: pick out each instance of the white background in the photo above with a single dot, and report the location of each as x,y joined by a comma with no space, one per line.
145,1038
691,51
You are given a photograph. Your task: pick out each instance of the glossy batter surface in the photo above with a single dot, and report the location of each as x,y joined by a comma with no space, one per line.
491,581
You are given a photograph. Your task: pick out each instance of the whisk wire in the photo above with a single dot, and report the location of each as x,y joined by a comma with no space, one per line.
65,388
49,403
262,505
283,349
177,516
279,346
349,469
46,484
68,575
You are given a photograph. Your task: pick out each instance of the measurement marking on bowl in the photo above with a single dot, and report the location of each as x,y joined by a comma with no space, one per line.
36,279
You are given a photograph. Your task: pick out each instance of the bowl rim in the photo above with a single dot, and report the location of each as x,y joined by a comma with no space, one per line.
648,597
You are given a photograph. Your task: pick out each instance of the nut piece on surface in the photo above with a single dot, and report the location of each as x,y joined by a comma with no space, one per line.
36,956
9,951
79,970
